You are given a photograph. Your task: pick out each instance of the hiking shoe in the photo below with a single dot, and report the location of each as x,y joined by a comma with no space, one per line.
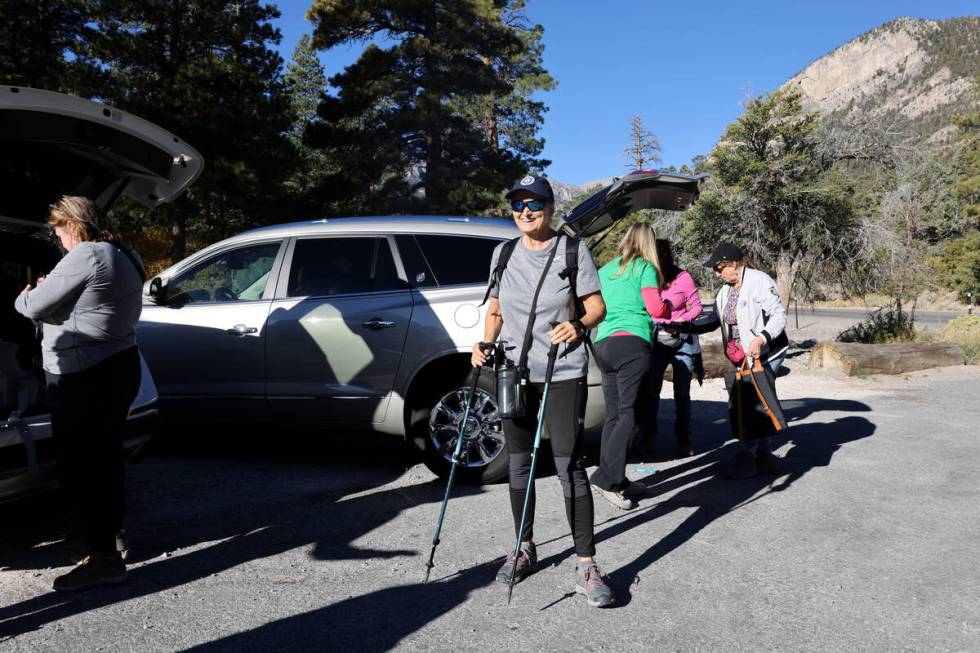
93,571
618,499
635,489
590,580
742,467
527,564
684,448
767,463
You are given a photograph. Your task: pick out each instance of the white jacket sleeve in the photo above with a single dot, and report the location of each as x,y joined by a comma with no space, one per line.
772,306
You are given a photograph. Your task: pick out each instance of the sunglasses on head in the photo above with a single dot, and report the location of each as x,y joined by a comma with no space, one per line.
533,205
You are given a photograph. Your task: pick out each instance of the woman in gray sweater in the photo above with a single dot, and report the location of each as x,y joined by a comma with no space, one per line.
88,306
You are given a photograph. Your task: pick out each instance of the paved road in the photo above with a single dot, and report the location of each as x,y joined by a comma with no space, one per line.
826,323
299,543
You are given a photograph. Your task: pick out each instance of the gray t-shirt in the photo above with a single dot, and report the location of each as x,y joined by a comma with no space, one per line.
516,292
88,304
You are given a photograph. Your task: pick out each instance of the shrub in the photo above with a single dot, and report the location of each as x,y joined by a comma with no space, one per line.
887,324
965,332
957,266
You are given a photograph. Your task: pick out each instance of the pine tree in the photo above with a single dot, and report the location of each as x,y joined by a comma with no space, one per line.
398,121
206,71
46,44
967,165
644,147
773,192
305,84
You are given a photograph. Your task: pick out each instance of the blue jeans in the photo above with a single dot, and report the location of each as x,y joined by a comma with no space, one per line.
682,362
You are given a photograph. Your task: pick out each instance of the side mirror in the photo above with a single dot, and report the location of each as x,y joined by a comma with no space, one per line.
158,291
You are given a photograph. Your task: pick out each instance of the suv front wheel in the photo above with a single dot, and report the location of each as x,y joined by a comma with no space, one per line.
483,457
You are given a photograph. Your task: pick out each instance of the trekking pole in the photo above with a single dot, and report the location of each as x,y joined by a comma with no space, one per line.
452,470
552,355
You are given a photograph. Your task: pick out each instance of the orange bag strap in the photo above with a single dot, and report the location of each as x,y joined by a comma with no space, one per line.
757,367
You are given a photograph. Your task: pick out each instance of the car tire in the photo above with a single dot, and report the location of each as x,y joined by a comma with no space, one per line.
484,458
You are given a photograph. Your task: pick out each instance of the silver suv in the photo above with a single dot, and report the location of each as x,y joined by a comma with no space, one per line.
346,323
354,323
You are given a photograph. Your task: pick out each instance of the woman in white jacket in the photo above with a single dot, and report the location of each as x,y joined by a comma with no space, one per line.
753,323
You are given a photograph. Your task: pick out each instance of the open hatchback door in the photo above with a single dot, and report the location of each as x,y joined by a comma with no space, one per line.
53,145
636,191
56,144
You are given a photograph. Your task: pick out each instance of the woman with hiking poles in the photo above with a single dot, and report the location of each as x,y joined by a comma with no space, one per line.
631,289
753,324
532,310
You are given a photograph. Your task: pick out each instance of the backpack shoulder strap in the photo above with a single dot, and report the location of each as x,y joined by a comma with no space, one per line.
571,273
498,270
128,253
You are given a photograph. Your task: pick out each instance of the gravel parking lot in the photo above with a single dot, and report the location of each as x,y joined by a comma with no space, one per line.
317,542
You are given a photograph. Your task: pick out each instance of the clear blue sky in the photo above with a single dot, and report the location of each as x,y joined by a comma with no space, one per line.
684,66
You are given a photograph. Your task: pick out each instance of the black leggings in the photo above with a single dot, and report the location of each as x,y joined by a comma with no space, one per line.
564,419
88,417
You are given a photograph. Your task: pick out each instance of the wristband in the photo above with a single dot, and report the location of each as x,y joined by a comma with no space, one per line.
578,324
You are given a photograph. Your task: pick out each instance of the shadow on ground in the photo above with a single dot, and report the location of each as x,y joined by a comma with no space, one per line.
251,497
273,516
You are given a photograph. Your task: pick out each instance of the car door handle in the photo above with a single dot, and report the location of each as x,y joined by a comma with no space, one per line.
241,330
376,324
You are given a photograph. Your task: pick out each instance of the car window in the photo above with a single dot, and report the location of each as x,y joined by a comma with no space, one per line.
416,268
458,259
235,275
338,266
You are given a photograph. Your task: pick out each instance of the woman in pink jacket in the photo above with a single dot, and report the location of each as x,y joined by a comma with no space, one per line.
676,350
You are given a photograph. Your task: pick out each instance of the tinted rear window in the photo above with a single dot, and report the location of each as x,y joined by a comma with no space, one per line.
337,266
458,259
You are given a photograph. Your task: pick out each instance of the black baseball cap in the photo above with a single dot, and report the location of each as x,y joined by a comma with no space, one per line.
724,252
533,184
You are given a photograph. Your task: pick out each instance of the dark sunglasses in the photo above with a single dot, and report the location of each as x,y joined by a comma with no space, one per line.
533,205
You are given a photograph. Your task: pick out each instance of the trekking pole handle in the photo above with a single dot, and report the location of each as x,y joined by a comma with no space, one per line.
552,355
492,346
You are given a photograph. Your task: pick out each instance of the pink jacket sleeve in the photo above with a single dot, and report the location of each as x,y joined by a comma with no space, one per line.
684,284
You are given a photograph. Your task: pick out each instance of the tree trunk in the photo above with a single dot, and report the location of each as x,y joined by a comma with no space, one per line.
435,193
178,236
856,358
786,270
490,126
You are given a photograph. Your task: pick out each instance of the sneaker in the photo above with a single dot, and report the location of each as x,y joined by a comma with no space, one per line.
684,448
742,467
95,570
590,580
618,499
635,489
527,564
767,463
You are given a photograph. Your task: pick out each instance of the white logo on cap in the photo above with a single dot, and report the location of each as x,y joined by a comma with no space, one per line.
527,181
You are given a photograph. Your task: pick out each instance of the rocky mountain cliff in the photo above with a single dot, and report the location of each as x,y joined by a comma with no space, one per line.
910,75
565,193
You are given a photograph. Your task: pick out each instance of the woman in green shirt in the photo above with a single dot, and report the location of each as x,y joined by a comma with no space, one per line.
631,290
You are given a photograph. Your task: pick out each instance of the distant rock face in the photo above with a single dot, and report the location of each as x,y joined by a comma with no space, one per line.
911,75
565,193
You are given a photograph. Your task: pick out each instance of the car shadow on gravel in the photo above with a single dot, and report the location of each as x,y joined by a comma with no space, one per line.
230,509
698,482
